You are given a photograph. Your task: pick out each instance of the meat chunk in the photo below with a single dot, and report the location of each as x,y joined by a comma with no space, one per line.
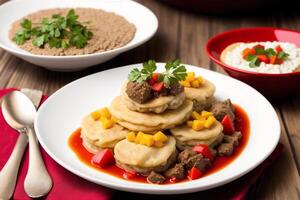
234,138
156,178
190,158
222,108
176,88
225,149
177,172
139,92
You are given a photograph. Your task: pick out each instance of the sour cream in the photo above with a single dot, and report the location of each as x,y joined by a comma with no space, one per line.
234,58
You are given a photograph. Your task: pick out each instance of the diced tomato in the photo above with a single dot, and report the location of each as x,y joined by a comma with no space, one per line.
173,180
273,59
151,81
246,52
155,77
252,51
279,61
129,175
278,48
263,58
259,46
228,125
157,87
204,150
103,158
194,173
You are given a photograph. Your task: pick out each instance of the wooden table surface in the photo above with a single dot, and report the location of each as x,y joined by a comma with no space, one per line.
183,35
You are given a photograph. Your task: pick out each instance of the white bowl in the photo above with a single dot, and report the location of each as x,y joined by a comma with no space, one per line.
62,113
145,21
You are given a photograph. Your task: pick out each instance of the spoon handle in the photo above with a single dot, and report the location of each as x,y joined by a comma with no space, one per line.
9,172
37,181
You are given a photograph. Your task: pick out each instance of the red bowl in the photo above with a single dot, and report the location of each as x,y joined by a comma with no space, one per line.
273,86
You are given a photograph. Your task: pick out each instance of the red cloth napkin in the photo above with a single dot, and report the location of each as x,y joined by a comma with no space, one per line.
65,184
69,186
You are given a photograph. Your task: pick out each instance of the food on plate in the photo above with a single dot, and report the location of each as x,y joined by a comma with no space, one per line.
198,90
266,57
66,31
200,129
150,91
142,158
150,133
99,131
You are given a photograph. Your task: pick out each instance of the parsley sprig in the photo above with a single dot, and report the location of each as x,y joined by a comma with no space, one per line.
57,31
174,72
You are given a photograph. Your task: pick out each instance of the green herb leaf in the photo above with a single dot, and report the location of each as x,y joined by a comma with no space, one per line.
26,24
39,41
282,55
254,62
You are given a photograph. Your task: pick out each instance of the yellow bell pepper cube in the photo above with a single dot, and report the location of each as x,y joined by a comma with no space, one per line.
96,115
147,140
107,123
131,136
209,122
190,76
195,84
206,114
200,79
197,116
189,124
138,137
160,137
198,125
185,83
105,113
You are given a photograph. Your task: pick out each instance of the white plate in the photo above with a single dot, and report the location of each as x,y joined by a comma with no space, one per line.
145,21
61,114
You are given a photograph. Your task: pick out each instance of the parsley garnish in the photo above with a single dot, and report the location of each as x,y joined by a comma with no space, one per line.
57,31
174,73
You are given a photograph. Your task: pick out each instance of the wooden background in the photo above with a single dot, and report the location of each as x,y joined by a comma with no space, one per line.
183,35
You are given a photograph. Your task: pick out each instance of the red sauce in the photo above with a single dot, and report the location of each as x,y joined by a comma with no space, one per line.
241,124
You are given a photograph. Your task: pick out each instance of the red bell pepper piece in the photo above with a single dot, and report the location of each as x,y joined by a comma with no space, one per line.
278,48
204,150
252,51
155,77
194,173
228,125
129,175
157,87
151,82
279,61
263,58
103,158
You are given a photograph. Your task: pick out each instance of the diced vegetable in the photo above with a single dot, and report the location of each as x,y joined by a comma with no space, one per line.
228,126
157,87
246,52
190,76
252,51
129,175
138,137
273,59
96,115
160,137
147,140
107,123
204,150
103,158
209,122
278,48
158,144
194,173
198,125
258,46
200,79
189,124
206,114
196,115
263,58
131,136
195,84
104,112
185,83
154,77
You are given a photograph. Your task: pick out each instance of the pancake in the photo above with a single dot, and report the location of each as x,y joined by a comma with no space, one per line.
143,159
137,121
156,105
228,49
186,137
96,138
202,97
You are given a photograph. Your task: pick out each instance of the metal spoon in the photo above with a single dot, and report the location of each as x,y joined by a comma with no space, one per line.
20,113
